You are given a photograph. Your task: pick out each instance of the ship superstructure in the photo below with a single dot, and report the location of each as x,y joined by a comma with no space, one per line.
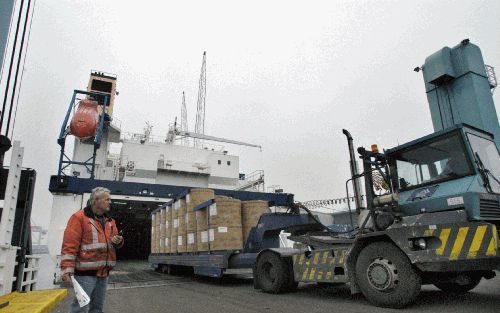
145,158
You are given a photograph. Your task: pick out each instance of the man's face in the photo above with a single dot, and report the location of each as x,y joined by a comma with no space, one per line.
102,203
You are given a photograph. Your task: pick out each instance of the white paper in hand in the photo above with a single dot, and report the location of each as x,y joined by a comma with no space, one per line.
81,295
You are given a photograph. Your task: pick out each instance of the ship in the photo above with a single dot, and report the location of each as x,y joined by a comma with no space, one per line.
142,171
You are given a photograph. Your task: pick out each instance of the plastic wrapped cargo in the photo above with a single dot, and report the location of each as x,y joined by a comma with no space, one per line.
202,240
197,196
157,231
168,228
226,238
196,222
225,212
163,231
175,229
153,234
250,215
224,232
201,220
191,245
181,220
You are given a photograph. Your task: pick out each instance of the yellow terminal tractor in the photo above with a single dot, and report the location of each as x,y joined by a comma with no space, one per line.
430,211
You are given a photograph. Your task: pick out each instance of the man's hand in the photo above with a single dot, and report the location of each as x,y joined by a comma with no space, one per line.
117,239
66,277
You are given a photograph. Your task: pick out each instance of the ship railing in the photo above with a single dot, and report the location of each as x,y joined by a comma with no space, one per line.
189,142
255,175
253,181
492,78
103,74
114,156
114,161
212,147
29,274
142,138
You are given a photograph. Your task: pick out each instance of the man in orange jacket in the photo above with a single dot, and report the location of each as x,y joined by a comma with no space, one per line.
89,250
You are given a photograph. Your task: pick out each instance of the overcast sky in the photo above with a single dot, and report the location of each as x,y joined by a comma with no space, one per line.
283,74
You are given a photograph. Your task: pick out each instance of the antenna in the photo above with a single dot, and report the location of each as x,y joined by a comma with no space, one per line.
184,125
147,131
202,92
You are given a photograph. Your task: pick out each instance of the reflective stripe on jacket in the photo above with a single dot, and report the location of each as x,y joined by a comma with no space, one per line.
87,245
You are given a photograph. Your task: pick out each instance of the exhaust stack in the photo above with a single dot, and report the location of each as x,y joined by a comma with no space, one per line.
354,171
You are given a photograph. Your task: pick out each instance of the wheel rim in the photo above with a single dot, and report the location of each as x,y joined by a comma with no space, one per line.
382,274
464,280
269,272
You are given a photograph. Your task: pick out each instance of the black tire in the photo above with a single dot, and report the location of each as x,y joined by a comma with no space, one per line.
272,273
386,277
173,270
255,281
292,284
457,287
163,268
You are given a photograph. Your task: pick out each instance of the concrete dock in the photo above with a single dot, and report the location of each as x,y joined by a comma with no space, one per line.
236,294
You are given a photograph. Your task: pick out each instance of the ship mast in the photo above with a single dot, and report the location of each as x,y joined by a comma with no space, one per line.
202,92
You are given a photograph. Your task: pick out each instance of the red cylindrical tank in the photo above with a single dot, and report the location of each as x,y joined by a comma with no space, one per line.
84,122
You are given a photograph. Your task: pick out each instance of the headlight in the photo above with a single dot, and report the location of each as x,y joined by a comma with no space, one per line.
421,243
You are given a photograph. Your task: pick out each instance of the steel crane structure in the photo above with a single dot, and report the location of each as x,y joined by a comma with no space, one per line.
202,93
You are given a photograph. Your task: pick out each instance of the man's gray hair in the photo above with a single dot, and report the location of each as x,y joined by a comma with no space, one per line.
97,192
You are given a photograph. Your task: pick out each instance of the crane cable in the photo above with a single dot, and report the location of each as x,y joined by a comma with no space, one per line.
14,47
6,43
22,72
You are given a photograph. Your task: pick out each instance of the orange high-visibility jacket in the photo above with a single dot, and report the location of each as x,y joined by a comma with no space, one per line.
87,248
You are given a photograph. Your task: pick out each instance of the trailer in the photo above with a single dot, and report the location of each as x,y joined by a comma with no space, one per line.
265,235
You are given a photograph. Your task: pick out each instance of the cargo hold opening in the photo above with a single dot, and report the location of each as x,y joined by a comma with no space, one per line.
133,216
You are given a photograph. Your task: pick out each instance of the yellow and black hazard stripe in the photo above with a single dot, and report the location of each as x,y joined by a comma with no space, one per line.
466,241
320,265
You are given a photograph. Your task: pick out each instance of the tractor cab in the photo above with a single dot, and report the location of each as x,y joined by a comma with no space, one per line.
457,168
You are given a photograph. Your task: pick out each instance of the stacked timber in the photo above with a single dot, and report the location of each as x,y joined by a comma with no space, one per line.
182,231
175,228
225,232
250,215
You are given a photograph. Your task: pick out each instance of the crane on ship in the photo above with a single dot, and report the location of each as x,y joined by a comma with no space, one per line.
175,132
184,124
198,135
